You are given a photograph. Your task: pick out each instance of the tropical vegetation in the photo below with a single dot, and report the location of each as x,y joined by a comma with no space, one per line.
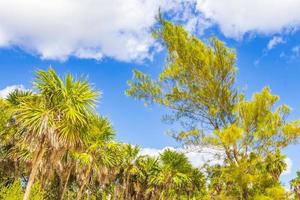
54,145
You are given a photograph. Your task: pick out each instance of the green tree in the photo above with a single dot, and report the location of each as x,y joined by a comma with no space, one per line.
198,85
176,177
127,170
56,117
295,186
145,169
99,155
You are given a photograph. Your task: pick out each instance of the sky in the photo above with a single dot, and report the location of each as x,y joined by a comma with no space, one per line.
106,39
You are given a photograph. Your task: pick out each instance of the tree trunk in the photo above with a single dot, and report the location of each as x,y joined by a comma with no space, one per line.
83,184
66,184
80,192
127,187
35,166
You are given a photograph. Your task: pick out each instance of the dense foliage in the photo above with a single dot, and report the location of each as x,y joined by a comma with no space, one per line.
53,140
54,145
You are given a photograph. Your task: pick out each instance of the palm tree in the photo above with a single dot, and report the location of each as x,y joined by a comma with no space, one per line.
99,151
14,157
295,186
146,167
56,135
173,177
127,170
56,116
197,187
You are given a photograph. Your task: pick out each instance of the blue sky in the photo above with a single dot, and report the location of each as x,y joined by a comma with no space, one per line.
106,47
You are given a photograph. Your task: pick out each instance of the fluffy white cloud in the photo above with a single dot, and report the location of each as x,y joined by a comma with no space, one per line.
276,40
57,29
196,157
121,29
237,17
4,92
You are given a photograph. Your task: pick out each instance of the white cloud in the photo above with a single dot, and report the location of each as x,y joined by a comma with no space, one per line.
276,40
293,55
196,157
5,92
121,29
289,164
296,50
197,25
237,17
58,29
273,42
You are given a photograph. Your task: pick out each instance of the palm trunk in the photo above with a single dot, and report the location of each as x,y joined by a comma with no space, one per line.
79,195
127,187
80,192
66,184
35,166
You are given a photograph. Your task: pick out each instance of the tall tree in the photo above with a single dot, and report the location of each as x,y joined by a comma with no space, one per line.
198,85
176,176
295,186
100,153
55,117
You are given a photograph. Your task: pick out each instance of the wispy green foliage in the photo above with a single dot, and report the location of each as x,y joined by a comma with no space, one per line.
198,85
197,81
